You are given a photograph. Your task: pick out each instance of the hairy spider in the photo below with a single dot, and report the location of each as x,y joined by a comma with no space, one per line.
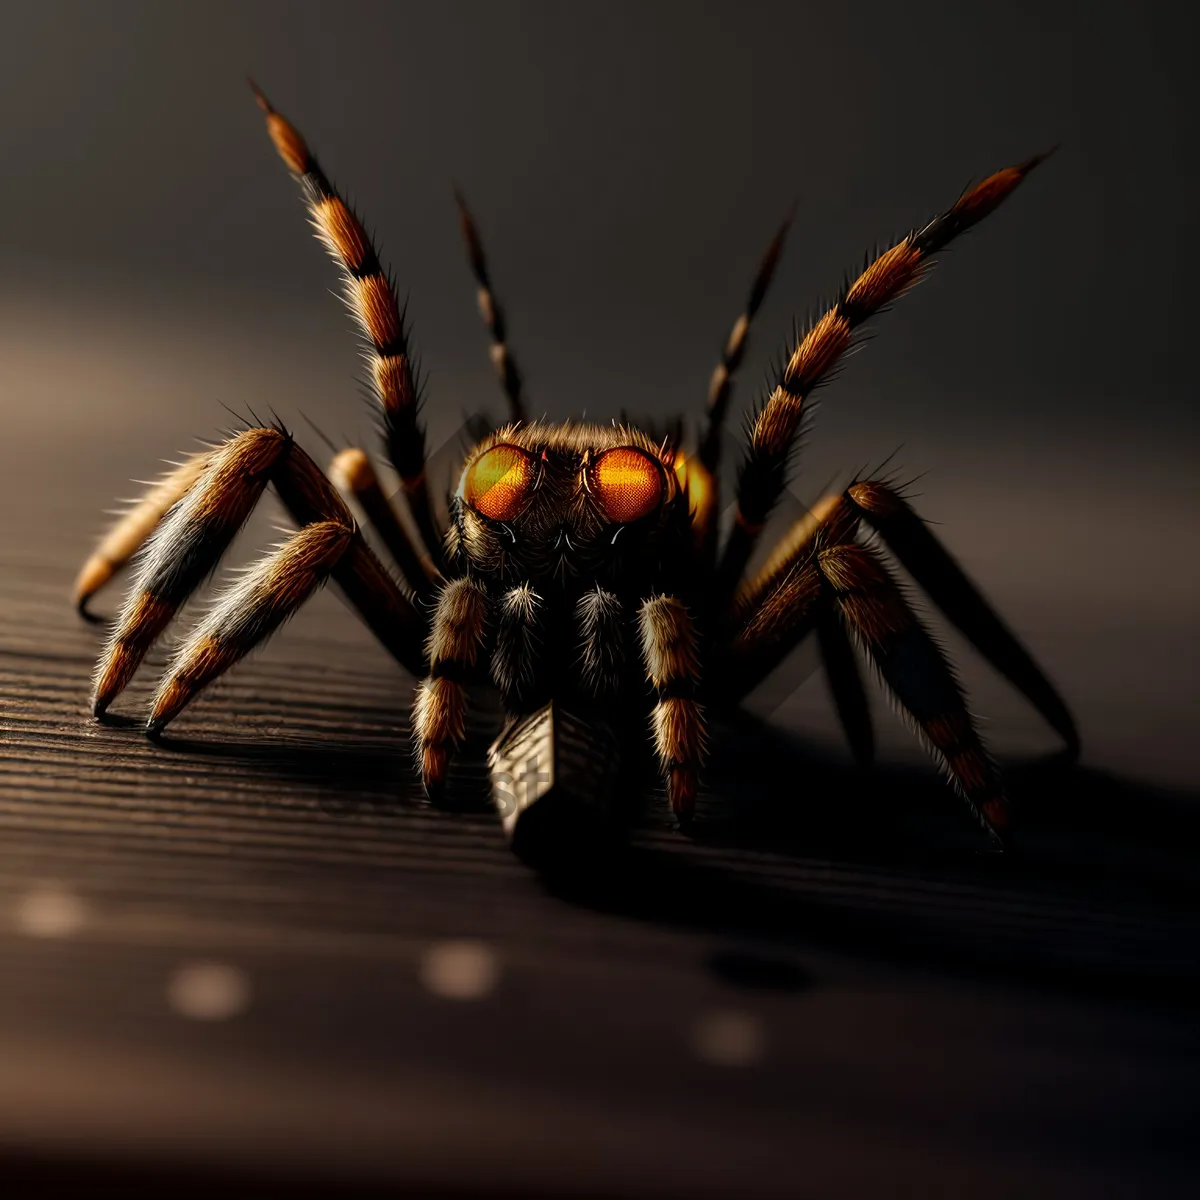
581,566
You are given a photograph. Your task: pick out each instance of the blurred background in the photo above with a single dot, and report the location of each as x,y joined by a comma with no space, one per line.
627,164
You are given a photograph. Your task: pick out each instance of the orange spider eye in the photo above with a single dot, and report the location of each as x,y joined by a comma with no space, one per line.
626,483
498,482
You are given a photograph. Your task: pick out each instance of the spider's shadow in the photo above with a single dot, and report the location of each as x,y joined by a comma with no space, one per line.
886,863
912,877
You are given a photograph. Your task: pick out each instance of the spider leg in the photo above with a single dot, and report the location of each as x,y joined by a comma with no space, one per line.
782,605
126,535
670,655
248,613
184,549
189,542
455,646
352,472
908,537
366,583
371,297
777,425
492,313
918,674
821,575
720,388
698,472
846,687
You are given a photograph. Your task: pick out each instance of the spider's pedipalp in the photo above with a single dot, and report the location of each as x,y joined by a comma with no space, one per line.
371,297
671,657
774,429
517,667
131,530
492,314
249,612
184,549
921,554
602,657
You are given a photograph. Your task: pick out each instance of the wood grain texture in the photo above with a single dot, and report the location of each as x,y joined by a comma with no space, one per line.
925,1019
923,1012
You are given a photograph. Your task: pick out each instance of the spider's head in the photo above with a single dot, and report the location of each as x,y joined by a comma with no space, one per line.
567,503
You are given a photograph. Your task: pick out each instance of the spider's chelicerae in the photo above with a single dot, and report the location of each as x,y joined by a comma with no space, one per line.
581,565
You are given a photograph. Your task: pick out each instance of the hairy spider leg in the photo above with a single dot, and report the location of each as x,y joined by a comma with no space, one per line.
493,315
386,608
671,658
823,574
767,632
455,649
184,548
126,536
720,388
846,687
371,298
910,539
917,673
352,472
774,430
189,542
697,472
247,613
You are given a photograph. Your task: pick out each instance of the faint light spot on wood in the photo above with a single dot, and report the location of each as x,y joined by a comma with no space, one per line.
50,911
459,970
208,991
728,1039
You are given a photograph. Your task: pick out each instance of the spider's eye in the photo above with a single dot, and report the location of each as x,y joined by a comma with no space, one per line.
498,482
627,484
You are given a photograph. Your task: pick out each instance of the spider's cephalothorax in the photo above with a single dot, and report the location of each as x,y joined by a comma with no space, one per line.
579,565
568,506
564,540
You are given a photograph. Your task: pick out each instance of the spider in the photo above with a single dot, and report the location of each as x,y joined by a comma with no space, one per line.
581,565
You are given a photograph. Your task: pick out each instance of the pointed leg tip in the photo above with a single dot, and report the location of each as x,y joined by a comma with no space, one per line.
1036,160
433,764
681,794
100,706
259,98
998,825
96,572
155,726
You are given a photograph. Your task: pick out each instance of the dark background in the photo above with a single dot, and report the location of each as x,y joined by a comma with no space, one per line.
627,164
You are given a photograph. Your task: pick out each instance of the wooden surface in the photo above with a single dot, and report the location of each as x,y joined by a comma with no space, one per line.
924,1014
906,1015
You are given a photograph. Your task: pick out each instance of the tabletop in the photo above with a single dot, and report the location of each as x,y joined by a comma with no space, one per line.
254,954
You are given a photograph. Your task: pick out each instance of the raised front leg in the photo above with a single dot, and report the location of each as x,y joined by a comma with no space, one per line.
371,297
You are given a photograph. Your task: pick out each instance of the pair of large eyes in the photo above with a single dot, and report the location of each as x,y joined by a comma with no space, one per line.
626,483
